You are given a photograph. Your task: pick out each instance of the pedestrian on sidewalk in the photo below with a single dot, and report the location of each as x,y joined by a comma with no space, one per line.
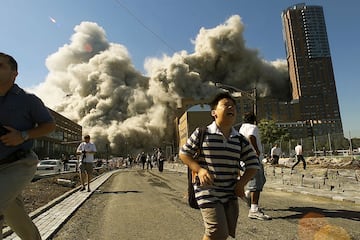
86,150
299,156
217,168
23,117
255,186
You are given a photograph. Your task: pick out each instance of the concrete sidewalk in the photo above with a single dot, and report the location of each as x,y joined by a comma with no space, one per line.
51,217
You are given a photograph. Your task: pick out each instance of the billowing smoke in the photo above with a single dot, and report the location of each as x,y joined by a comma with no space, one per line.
94,82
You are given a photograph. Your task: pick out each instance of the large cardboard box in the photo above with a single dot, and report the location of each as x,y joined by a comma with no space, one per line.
189,121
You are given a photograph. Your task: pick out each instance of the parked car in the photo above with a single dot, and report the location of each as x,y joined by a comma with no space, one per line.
72,165
49,166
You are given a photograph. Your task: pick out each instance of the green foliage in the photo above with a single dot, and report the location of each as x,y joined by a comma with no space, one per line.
355,142
271,133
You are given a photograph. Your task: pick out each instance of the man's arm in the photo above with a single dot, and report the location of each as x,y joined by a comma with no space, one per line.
244,179
42,129
252,139
79,149
14,137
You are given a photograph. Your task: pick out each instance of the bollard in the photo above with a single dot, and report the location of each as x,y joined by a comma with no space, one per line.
302,179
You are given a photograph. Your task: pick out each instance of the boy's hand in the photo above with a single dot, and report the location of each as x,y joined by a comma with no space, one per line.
205,177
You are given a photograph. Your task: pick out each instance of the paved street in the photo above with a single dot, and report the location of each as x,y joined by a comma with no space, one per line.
140,204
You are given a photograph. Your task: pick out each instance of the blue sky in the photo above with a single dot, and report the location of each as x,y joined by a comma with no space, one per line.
33,30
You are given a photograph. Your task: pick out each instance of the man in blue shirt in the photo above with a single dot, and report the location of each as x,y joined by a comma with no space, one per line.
23,117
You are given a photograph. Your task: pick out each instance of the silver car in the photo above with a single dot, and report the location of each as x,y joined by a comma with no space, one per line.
49,166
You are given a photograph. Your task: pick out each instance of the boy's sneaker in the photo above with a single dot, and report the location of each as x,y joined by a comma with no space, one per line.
259,214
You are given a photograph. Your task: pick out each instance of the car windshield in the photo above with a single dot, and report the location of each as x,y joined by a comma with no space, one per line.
48,163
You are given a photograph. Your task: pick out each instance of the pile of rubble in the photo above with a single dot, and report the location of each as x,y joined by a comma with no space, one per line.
334,162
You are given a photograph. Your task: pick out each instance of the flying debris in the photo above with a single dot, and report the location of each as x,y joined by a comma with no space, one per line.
52,20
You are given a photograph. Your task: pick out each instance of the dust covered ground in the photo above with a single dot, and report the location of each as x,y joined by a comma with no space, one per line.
39,193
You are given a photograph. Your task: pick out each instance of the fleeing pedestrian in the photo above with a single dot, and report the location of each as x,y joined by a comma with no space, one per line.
160,159
217,168
275,154
86,150
143,159
299,156
65,161
23,117
148,162
255,186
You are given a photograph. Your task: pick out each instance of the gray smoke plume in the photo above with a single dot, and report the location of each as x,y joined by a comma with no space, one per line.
94,83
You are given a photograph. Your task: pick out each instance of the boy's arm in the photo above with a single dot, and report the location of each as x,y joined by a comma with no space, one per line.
204,176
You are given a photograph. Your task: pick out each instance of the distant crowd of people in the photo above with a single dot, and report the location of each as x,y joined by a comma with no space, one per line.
150,160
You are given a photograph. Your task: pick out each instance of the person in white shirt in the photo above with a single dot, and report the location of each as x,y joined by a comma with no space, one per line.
86,150
275,154
255,185
299,156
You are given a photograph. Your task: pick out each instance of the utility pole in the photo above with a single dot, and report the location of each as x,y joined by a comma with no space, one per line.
255,101
330,144
350,144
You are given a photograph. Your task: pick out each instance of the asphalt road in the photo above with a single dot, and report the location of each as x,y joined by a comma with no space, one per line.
141,204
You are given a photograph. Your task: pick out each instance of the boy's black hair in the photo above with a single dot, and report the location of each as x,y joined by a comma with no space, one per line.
220,96
12,62
249,117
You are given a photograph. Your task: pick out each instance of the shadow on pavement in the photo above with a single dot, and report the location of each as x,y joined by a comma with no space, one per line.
300,212
118,192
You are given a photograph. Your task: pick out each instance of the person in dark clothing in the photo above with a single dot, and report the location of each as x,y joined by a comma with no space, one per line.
143,159
23,117
161,159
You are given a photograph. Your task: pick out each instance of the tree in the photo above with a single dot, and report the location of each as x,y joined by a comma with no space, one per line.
355,142
271,133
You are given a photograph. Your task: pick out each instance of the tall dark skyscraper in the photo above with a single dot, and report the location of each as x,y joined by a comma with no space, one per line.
310,68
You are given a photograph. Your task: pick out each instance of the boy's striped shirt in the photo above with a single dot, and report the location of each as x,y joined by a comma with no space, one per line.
221,157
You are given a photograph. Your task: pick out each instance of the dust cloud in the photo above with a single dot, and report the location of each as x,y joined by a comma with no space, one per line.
94,83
